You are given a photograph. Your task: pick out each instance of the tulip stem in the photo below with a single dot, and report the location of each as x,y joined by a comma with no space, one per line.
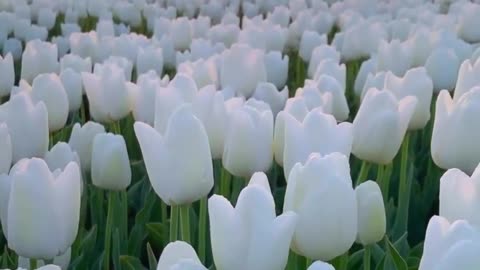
382,181
33,264
163,207
363,174
225,183
174,212
404,190
366,258
202,229
185,222
108,230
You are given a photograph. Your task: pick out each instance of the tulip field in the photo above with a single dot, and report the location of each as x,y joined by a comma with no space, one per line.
240,134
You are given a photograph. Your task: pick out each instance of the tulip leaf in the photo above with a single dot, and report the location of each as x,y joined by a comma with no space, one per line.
152,260
399,262
131,263
116,249
158,233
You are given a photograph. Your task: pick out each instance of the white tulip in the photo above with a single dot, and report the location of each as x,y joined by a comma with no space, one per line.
81,141
269,94
466,78
110,163
179,256
72,83
6,146
39,57
319,265
7,75
372,221
308,42
442,66
276,67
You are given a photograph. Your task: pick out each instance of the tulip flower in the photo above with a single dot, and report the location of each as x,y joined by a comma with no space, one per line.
417,83
7,77
328,84
241,59
110,163
322,181
179,256
389,117
466,78
54,203
372,222
108,94
150,58
469,17
420,46
314,98
143,97
60,156
203,72
166,155
317,133
81,141
72,83
39,57
459,196
76,63
374,80
25,118
450,245
454,131
181,33
442,66
249,235
276,67
269,94
6,146
333,69
394,56
14,47
308,42
62,261
319,54
249,139
367,68
85,45
319,265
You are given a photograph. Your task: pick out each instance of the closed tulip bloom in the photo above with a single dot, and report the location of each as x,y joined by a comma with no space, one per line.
450,245
54,203
108,94
417,83
317,133
60,156
14,47
322,181
203,72
46,18
453,131
372,222
394,56
374,80
85,45
110,163
7,75
39,57
329,84
470,16
179,163
81,141
319,265
333,69
143,97
314,98
460,196
181,33
241,59
367,68
466,78
276,67
442,66
25,118
380,125
76,63
49,89
179,256
308,42
249,140
319,54
6,146
269,94
72,83
150,58
250,235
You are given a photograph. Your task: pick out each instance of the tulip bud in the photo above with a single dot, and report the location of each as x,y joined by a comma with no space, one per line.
250,235
276,68
322,181
39,57
269,94
317,133
54,203
150,58
319,265
6,146
24,118
329,84
450,245
76,63
249,140
7,75
388,117
203,72
14,47
394,56
469,17
367,68
372,222
60,156
179,256
72,83
442,66
181,33
314,98
466,78
81,141
309,41
319,54
179,163
333,69
110,163
143,97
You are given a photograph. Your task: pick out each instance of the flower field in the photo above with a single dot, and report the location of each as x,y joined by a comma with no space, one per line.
239,134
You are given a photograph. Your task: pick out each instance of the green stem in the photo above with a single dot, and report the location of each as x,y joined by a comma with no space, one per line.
124,204
202,229
185,222
225,183
174,213
366,258
163,207
108,230
404,189
363,174
238,185
381,181
33,264
308,262
292,260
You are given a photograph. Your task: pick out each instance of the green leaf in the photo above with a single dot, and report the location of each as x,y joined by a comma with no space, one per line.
399,262
116,249
152,260
131,263
158,233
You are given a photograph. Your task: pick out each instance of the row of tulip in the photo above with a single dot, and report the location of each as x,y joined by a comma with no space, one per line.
105,163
